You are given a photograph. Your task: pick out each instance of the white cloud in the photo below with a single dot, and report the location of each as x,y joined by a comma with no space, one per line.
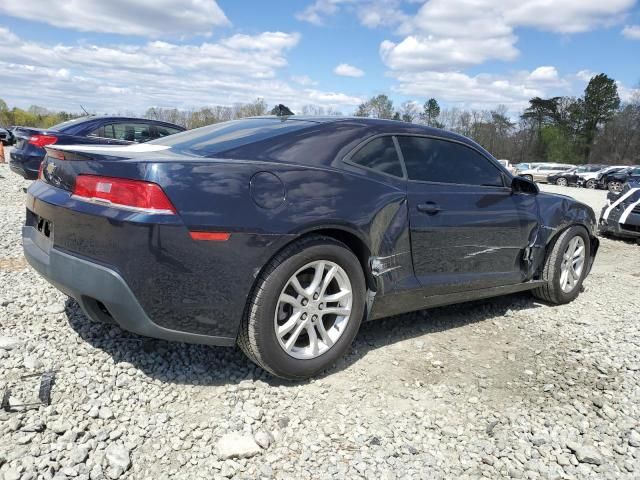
446,35
346,70
304,80
631,32
117,78
488,90
140,17
371,13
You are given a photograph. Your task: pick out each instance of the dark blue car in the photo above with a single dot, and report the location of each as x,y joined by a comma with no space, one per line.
282,235
29,150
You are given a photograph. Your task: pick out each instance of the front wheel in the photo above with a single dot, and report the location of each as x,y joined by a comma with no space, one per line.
615,186
591,184
305,309
566,267
528,177
561,182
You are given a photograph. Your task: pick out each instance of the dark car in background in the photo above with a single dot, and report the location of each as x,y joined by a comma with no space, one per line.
614,180
6,136
283,235
571,177
30,143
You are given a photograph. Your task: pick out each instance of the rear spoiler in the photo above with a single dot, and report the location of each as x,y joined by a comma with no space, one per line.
101,152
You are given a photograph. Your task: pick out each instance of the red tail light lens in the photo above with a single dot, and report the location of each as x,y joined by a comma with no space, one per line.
136,195
42,140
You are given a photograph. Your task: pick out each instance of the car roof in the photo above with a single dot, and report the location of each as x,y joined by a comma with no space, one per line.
281,138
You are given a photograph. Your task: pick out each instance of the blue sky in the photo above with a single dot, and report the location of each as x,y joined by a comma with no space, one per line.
124,56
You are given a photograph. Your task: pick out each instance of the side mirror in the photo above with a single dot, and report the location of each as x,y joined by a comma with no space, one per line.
524,185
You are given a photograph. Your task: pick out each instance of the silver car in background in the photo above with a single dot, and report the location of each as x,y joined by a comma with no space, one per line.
540,172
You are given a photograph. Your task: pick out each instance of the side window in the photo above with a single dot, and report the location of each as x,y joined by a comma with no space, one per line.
132,132
433,160
104,131
380,155
159,132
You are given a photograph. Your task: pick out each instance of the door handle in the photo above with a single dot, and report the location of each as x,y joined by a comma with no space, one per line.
430,208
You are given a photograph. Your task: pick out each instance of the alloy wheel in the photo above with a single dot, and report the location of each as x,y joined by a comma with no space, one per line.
313,309
591,183
561,181
615,186
572,264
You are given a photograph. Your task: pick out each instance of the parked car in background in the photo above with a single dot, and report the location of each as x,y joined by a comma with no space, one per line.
540,172
621,216
591,180
615,179
506,164
521,167
571,176
30,142
283,234
6,136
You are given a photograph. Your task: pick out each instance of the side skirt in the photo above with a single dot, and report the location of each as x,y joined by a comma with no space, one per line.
413,300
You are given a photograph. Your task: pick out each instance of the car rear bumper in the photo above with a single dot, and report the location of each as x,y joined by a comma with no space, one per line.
147,271
101,292
25,165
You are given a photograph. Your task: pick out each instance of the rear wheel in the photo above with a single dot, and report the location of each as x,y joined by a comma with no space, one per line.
562,182
591,183
305,309
528,177
565,267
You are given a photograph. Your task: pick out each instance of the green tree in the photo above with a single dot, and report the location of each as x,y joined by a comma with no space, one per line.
559,146
601,101
430,113
409,111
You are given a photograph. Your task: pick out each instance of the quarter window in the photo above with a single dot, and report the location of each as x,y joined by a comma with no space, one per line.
434,160
380,155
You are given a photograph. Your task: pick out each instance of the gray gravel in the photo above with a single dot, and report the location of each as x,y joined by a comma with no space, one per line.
505,388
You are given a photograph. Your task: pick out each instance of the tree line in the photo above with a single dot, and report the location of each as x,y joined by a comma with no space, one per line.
593,128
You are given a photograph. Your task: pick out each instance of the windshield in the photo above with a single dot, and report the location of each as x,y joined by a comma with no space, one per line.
69,123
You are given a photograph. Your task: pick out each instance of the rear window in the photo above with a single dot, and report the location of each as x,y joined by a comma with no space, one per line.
214,139
60,127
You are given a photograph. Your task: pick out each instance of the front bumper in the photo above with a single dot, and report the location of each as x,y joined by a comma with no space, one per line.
101,292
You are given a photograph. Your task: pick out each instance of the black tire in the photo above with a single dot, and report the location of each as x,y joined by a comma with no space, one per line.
591,183
561,181
257,337
551,291
528,177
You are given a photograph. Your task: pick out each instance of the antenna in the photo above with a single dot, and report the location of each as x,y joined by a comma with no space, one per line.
85,111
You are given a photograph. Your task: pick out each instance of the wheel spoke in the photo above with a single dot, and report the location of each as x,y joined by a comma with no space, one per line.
294,336
563,278
289,324
578,251
336,311
336,297
317,278
295,283
286,298
327,279
324,334
313,339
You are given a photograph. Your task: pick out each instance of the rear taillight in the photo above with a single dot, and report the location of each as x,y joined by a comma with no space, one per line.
124,193
42,140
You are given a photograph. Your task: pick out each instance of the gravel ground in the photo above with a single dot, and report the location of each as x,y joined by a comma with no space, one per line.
508,387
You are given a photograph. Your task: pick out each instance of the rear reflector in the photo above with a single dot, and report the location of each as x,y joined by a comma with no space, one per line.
135,195
211,236
42,140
